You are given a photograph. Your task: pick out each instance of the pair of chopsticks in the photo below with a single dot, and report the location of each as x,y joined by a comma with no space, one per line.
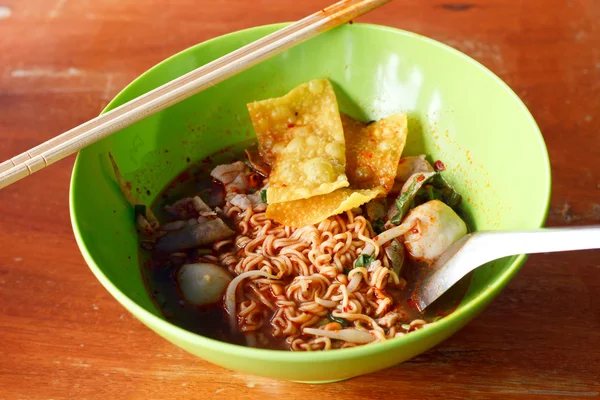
181,88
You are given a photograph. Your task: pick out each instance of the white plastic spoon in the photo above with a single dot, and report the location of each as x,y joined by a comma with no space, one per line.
478,248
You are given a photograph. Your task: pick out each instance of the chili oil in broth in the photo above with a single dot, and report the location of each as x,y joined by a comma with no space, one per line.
159,270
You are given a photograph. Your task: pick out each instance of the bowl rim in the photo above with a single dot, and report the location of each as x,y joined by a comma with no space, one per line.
463,313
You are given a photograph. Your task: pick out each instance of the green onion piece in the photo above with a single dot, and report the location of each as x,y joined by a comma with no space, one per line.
343,322
204,252
439,194
430,193
438,181
263,196
454,199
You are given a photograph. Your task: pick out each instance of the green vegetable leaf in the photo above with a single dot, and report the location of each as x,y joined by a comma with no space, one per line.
364,260
343,322
402,202
396,254
437,189
378,225
263,196
405,200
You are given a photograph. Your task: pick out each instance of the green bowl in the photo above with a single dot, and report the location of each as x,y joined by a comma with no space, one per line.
459,112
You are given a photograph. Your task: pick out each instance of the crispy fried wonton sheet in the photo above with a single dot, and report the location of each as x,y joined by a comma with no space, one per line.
315,209
373,150
300,135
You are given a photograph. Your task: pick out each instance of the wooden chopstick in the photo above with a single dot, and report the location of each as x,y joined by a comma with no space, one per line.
181,88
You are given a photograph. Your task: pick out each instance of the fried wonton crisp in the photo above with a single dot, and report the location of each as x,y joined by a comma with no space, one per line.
373,150
314,210
300,135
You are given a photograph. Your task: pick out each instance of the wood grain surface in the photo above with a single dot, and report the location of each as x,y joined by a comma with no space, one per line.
62,336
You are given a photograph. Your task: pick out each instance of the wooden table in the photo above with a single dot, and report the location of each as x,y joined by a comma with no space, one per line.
63,336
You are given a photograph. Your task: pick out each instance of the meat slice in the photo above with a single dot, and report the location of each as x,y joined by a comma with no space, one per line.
192,236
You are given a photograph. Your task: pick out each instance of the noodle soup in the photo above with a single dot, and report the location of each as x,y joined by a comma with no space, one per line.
267,308
306,239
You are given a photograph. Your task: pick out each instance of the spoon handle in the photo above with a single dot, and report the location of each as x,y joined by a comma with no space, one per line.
544,240
478,248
